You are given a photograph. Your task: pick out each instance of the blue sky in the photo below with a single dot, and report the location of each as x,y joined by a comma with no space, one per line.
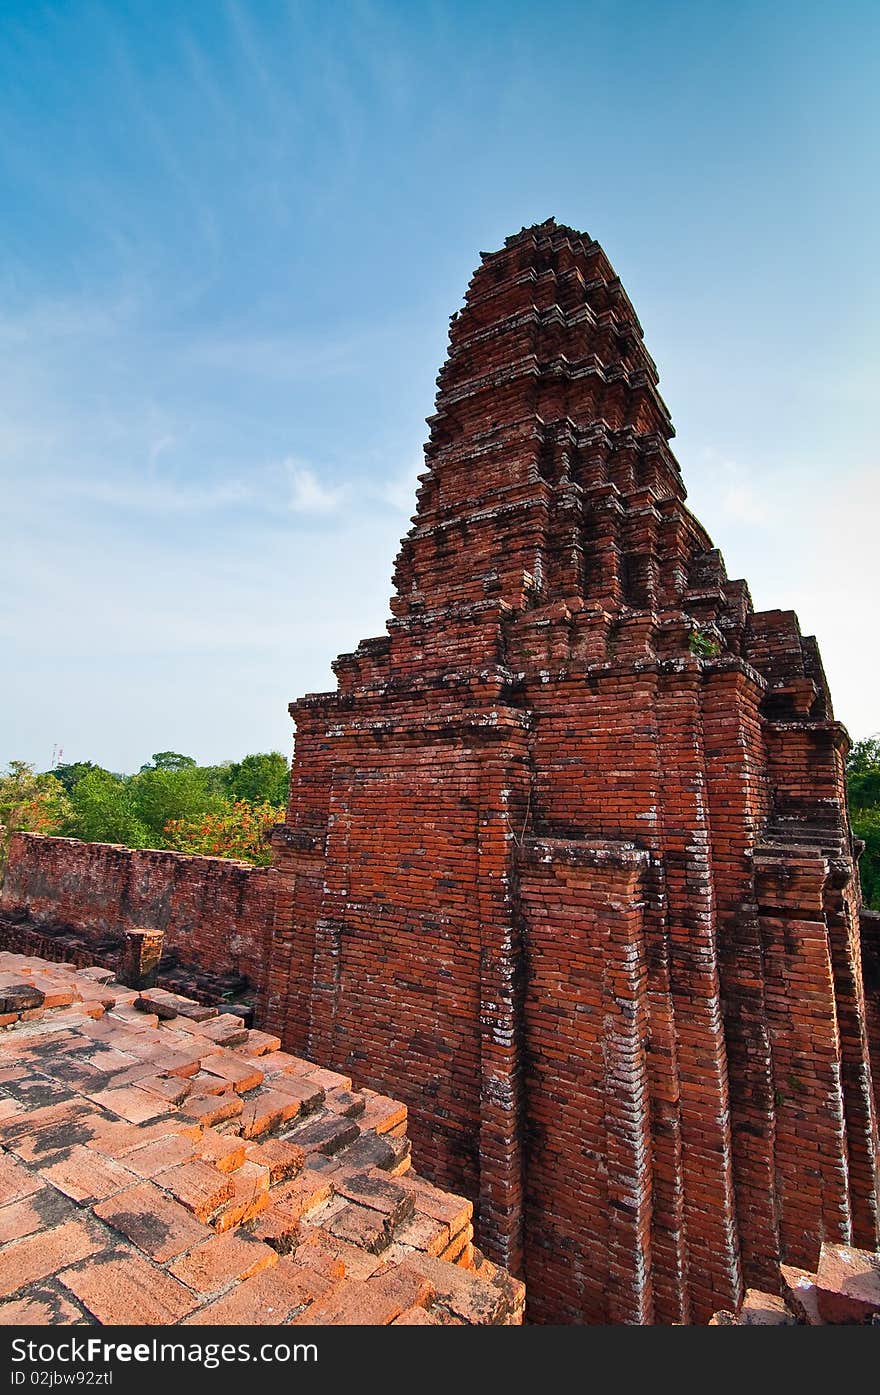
232,234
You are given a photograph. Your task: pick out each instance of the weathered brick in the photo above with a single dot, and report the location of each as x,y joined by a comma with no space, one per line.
124,1284
271,1296
233,1069
249,1196
45,1254
83,1175
16,1181
40,1210
152,1220
39,1306
221,1261
198,1187
848,1284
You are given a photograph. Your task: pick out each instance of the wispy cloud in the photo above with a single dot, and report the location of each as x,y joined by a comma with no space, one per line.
159,447
308,494
399,491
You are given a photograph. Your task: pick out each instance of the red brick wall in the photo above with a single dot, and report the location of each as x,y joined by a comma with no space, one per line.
870,947
408,826
567,863
585,1018
214,912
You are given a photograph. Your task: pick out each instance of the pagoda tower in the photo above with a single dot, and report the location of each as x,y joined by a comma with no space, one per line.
567,863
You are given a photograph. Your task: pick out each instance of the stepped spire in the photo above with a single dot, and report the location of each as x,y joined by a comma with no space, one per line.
567,860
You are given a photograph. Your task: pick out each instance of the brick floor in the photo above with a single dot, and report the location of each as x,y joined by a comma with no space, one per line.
150,1173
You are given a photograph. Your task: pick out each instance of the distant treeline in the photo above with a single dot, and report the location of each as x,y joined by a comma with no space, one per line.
219,810
863,780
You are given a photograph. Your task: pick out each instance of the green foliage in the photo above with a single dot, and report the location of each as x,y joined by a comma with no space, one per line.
217,777
705,646
863,784
171,802
70,774
104,811
238,831
169,760
31,803
863,774
162,793
259,779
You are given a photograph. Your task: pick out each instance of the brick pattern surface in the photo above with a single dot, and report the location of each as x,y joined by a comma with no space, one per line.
566,863
73,902
869,934
119,1204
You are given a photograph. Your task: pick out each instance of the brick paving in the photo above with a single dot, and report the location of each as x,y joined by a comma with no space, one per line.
156,1168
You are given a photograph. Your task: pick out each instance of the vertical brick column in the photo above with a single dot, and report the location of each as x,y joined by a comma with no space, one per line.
329,925
869,940
811,1156
668,1237
587,1172
139,956
627,1131
842,919
714,1275
285,1001
503,799
738,800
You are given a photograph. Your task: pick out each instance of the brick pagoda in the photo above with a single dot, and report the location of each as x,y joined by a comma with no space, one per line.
567,864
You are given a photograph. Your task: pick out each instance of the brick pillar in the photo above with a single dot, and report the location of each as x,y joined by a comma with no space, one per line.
869,936
286,986
738,800
842,919
627,1119
588,1176
811,1155
139,957
327,962
503,800
714,1274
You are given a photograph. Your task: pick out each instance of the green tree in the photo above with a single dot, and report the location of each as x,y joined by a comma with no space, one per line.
104,811
866,825
169,760
30,803
259,779
161,794
863,773
71,773
217,777
863,785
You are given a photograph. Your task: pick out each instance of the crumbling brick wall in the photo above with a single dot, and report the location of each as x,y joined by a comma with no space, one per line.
870,946
213,911
567,862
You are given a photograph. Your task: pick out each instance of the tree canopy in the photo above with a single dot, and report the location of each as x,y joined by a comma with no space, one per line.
104,810
863,783
259,778
172,802
29,802
169,760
